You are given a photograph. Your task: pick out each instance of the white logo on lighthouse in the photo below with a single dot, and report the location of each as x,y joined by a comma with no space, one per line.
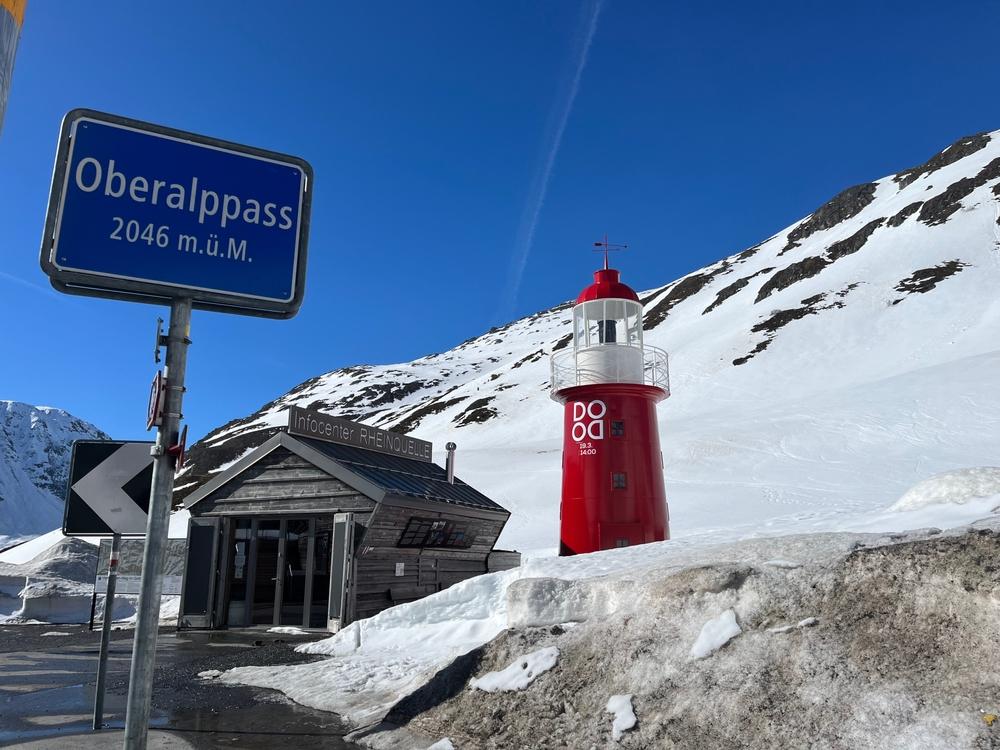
588,420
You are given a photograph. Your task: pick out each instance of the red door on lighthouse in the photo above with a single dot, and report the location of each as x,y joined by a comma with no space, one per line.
609,384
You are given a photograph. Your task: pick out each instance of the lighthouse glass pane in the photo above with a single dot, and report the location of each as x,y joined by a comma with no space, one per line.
634,324
608,324
579,328
595,335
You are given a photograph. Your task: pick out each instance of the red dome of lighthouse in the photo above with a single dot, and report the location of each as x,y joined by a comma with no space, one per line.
607,285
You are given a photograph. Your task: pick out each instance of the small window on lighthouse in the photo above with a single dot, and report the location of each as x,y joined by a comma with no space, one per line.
619,481
617,428
634,324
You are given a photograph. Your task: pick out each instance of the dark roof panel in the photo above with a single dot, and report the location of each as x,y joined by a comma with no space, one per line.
403,476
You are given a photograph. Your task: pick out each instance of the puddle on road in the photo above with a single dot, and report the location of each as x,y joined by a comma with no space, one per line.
261,722
238,716
59,719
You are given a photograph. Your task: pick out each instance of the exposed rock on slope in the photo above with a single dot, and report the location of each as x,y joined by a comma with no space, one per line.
846,643
958,150
841,207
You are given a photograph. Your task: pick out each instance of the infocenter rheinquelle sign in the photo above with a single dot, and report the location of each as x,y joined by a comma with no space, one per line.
146,213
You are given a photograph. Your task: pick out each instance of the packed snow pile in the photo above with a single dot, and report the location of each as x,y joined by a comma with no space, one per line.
54,586
874,641
624,621
960,486
35,445
50,578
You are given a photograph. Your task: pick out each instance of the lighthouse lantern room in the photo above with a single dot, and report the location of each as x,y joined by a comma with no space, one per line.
609,384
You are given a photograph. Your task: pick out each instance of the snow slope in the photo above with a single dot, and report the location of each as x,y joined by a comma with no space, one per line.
35,444
816,376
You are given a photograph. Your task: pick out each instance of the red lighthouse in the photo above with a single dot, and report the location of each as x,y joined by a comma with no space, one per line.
609,384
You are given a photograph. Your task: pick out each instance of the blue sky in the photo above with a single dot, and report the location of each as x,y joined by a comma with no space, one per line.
467,154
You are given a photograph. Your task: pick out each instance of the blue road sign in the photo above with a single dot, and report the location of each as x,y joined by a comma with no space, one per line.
147,213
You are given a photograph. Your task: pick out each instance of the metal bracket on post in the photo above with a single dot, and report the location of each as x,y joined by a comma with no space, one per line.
140,685
161,341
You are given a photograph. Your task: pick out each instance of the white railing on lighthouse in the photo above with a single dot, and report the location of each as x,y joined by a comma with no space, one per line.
573,367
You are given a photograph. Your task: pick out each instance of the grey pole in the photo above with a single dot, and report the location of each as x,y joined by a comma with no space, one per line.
140,682
109,608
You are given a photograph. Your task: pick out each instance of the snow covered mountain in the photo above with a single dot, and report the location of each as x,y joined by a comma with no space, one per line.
35,443
816,375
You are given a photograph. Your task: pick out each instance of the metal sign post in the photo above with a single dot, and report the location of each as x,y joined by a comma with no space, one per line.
140,683
145,213
109,610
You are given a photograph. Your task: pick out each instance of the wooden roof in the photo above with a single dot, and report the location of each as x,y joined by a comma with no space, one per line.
374,474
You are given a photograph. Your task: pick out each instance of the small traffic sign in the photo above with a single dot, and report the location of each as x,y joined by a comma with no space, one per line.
108,492
154,411
177,451
146,213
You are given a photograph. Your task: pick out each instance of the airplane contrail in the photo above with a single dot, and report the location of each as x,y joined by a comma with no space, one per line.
47,291
558,117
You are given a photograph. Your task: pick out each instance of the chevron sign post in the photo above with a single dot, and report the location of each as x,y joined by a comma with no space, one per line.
108,492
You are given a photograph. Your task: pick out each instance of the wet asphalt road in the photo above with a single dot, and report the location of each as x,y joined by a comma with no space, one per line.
47,689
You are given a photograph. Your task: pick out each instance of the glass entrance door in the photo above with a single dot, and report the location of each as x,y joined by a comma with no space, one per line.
268,541
239,574
321,573
278,572
295,572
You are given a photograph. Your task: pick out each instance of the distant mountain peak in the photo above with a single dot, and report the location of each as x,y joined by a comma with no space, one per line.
35,446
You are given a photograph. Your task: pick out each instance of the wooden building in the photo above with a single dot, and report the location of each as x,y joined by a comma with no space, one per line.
328,522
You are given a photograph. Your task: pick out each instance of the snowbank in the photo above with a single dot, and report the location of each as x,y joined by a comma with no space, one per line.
375,662
953,487
50,578
57,584
883,641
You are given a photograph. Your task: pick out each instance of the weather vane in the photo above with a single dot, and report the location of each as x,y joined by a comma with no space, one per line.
607,247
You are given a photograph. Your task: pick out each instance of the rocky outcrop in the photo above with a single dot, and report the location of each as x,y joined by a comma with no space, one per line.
925,279
939,209
780,318
477,412
958,150
897,219
811,266
841,207
726,292
682,290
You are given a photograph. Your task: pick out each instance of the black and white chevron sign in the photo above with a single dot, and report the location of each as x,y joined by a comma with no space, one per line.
108,493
